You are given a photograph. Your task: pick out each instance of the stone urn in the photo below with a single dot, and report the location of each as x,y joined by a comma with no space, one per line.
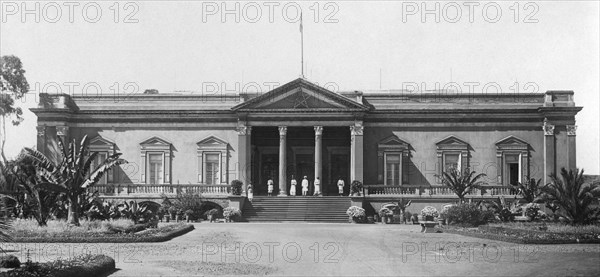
428,218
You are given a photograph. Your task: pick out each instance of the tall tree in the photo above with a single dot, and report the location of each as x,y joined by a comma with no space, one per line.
462,183
13,86
73,175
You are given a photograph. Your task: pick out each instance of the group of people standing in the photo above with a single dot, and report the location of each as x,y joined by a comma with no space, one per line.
305,184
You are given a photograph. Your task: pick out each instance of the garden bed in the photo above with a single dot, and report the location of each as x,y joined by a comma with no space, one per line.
95,232
524,233
85,265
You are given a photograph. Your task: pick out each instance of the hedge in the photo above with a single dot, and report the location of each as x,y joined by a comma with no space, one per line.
164,235
98,265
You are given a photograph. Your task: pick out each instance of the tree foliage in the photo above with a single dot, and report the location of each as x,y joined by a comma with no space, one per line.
13,86
462,183
73,175
575,198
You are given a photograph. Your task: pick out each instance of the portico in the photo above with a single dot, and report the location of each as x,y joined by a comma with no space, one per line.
319,136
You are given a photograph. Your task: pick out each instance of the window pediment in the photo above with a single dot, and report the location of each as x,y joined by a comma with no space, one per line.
512,143
156,143
452,143
393,143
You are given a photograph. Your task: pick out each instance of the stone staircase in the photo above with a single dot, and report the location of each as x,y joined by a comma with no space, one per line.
298,208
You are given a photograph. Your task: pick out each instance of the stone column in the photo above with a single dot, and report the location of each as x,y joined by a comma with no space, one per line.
244,169
282,161
319,154
571,146
549,151
356,152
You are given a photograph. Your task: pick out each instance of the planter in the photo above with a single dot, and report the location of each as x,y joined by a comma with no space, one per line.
428,218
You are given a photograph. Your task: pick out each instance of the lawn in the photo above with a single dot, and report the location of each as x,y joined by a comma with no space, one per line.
120,230
532,233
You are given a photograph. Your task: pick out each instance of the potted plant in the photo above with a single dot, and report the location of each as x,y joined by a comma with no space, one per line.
212,214
429,213
236,187
386,215
355,214
356,188
231,214
402,205
407,217
415,219
188,215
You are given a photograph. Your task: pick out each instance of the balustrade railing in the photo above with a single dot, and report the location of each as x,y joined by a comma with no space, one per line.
434,191
127,189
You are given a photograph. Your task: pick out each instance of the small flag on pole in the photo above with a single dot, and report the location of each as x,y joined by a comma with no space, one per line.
300,22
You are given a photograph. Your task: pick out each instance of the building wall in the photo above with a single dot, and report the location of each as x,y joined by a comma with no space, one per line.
424,160
184,162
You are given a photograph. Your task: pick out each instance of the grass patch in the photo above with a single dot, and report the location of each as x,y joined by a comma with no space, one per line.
212,268
93,232
532,233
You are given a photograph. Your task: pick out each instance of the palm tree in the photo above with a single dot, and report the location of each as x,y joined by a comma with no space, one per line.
462,183
529,190
73,175
574,197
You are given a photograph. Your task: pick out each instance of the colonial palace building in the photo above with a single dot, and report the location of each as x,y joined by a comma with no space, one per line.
395,142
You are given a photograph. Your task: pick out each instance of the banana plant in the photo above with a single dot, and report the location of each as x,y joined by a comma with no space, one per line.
73,175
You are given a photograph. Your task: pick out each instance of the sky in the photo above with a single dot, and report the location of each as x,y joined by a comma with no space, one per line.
217,47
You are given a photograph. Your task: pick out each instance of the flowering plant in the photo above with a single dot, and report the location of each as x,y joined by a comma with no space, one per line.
231,213
531,210
429,211
356,212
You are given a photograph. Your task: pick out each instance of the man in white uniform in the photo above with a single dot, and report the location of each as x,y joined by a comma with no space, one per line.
340,184
304,186
317,187
270,186
293,186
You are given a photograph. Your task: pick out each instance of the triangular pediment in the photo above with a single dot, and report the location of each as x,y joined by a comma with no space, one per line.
156,141
100,141
452,143
392,140
212,140
300,95
511,140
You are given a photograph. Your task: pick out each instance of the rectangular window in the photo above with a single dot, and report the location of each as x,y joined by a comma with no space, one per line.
98,160
452,161
212,168
392,169
155,168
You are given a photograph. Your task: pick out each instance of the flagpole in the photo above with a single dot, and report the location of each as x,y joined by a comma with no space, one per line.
301,47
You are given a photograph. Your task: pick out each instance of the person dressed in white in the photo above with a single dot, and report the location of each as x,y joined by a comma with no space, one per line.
293,186
270,186
340,184
304,186
250,193
317,187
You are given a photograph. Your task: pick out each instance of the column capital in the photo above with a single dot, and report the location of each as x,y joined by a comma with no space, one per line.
244,130
548,128
356,130
318,130
41,131
282,131
62,131
571,130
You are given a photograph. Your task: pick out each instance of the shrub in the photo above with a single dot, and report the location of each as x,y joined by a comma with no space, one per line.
9,261
357,213
213,212
356,187
385,212
236,187
532,210
468,215
231,213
